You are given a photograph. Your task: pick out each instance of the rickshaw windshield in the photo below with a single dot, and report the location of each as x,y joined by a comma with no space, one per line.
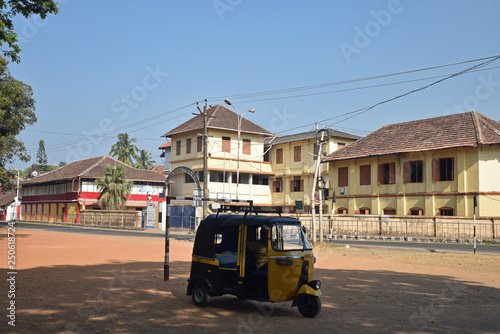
286,237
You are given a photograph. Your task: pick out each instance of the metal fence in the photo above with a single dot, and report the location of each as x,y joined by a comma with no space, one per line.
355,227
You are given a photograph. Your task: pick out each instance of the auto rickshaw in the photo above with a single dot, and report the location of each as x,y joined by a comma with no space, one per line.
223,261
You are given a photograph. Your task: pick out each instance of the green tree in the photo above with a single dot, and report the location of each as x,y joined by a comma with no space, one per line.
113,188
144,160
124,150
41,155
62,163
26,8
17,110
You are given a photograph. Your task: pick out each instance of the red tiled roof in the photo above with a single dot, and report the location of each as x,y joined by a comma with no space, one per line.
224,118
167,144
93,168
468,129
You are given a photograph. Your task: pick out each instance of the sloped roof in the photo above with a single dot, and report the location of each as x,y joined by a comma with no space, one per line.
307,136
223,118
7,198
167,144
468,129
93,168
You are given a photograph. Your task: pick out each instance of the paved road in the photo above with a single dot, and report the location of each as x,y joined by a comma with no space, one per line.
181,235
178,235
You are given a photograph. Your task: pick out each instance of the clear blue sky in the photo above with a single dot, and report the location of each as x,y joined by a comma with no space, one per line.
121,66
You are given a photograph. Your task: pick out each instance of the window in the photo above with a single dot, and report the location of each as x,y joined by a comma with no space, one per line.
188,146
387,173
216,176
199,144
413,171
279,156
188,178
342,211
442,169
343,179
363,211
416,212
297,156
255,178
364,175
247,146
178,147
315,151
340,145
200,176
266,156
296,185
226,144
389,212
446,212
278,185
288,237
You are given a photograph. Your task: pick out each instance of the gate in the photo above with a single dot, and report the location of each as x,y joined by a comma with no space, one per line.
181,216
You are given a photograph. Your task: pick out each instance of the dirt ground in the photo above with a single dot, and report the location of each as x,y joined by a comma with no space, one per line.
76,283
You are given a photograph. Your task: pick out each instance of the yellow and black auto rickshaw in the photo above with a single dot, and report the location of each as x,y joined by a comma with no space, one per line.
227,259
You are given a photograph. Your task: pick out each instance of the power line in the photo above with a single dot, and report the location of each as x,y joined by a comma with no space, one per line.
107,135
281,91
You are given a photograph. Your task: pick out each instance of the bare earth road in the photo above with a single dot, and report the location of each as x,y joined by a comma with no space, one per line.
77,283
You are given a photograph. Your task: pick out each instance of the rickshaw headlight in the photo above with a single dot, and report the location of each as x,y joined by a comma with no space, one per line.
316,285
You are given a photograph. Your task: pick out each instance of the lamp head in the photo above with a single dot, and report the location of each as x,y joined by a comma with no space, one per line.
227,102
251,110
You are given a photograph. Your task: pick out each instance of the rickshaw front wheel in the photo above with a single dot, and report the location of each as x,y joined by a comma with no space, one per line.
310,306
200,295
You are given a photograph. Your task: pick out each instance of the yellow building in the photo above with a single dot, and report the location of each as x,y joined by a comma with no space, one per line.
293,160
426,167
222,123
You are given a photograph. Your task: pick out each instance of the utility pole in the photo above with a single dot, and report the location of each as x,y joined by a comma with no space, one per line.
320,141
313,209
205,158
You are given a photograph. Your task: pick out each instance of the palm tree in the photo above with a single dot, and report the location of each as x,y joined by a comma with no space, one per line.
113,188
144,160
124,150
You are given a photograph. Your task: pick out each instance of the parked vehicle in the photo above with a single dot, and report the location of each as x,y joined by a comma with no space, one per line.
229,258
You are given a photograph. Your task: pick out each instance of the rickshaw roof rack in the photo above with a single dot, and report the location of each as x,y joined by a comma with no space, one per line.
248,209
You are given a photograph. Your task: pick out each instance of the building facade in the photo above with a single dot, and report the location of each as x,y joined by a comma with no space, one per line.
62,195
227,157
293,160
431,167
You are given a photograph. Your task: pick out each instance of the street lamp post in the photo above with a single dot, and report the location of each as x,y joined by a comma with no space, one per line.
240,117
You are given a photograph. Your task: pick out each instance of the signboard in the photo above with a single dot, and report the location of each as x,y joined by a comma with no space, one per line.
224,197
299,207
150,215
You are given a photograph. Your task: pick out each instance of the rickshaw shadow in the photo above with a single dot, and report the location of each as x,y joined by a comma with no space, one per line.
233,304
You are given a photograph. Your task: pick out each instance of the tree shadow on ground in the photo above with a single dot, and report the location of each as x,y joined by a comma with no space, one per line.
131,297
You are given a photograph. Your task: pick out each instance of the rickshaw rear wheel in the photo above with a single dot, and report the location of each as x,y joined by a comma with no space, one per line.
310,306
200,295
